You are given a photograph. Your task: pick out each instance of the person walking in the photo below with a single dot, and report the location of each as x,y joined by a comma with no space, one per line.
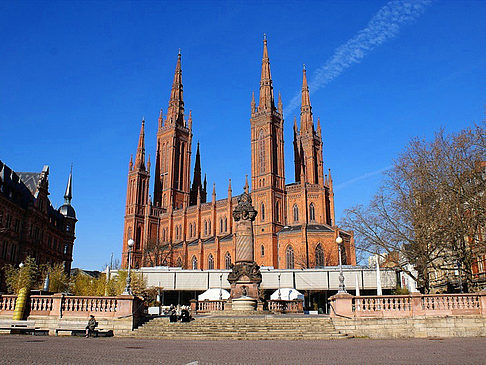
91,325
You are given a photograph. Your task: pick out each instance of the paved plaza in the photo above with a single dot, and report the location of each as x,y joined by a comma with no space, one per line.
17,349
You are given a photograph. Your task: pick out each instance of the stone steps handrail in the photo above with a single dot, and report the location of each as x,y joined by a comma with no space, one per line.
287,306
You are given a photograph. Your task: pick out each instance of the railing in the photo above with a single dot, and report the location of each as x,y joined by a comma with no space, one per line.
60,305
7,303
210,306
286,306
393,306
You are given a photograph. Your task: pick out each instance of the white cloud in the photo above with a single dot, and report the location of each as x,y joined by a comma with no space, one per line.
384,25
361,177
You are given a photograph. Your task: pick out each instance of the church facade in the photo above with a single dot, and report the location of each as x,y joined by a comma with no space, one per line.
177,226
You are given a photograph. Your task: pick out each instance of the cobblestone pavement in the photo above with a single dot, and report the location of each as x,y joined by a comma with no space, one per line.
18,349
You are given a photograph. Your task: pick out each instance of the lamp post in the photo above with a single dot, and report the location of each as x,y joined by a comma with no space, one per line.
279,295
128,288
342,287
221,286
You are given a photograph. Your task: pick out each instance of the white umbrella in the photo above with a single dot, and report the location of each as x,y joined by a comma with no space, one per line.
214,294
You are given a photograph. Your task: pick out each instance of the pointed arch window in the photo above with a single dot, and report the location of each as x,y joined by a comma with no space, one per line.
289,257
319,256
194,262
262,212
179,262
209,227
262,250
296,213
227,261
210,262
225,224
261,151
277,211
312,212
221,225
190,230
205,228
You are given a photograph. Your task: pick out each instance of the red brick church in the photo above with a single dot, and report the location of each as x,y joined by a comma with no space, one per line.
295,226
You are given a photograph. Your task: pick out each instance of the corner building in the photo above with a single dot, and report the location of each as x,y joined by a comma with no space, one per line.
295,227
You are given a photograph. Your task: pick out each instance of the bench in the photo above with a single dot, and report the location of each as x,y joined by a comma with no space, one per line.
20,327
77,329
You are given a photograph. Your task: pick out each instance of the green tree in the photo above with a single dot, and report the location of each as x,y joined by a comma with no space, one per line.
27,276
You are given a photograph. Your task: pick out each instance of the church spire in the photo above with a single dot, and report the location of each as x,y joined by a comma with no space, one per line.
175,112
68,195
140,157
196,181
306,123
252,105
266,89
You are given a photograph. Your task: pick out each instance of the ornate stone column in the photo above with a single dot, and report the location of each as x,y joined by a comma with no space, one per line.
245,277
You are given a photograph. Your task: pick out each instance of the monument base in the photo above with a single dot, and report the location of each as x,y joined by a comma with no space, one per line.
244,304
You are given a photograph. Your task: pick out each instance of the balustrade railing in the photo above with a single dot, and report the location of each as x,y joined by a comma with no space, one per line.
75,306
7,303
285,306
409,305
210,306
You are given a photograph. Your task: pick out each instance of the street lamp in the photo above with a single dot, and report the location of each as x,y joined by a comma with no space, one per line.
128,289
221,286
21,265
342,287
279,295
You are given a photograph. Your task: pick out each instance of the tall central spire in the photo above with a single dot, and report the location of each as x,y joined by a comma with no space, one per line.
306,122
140,158
266,90
175,112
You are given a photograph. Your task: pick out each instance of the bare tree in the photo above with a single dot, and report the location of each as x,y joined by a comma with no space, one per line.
156,252
431,207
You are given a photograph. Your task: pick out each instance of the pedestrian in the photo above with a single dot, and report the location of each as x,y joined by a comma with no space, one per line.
91,325
173,315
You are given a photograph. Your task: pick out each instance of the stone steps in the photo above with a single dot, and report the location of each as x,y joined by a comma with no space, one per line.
241,328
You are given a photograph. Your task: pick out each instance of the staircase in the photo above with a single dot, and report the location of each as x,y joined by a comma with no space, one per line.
263,327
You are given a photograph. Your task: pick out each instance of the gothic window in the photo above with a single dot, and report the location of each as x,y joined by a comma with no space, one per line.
190,230
180,231
179,262
194,263
210,262
177,232
296,213
225,224
221,225
262,212
312,212
319,256
139,238
263,250
261,152
209,227
227,261
277,211
289,256
205,228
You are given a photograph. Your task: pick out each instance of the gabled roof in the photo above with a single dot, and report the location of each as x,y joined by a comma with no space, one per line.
30,180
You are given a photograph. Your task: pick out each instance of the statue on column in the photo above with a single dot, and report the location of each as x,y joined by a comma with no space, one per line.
245,277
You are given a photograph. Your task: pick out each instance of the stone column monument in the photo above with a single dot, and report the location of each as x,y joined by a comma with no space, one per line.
245,277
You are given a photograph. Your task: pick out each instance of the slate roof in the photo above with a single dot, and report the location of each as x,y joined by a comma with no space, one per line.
30,180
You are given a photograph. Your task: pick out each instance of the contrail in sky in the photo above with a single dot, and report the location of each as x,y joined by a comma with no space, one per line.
362,177
384,25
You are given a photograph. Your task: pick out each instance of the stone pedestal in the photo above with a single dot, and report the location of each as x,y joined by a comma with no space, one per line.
244,304
245,276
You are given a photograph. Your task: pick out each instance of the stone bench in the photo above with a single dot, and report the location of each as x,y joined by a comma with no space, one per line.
79,329
16,327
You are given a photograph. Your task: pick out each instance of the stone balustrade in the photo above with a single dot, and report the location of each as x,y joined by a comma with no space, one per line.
209,306
286,306
60,305
396,306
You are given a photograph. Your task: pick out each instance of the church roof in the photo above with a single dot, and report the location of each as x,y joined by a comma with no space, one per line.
30,180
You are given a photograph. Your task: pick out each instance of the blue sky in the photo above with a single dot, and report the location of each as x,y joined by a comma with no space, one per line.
76,78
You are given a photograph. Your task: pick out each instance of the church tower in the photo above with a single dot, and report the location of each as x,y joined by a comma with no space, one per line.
137,200
174,136
267,167
197,182
308,142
